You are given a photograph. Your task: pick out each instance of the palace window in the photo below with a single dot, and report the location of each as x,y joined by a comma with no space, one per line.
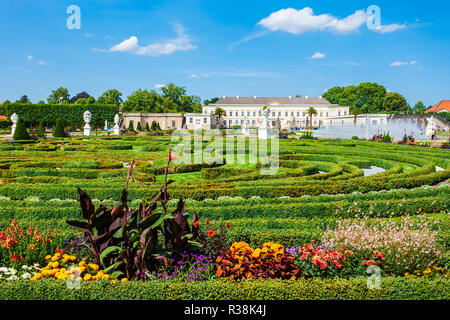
205,120
191,120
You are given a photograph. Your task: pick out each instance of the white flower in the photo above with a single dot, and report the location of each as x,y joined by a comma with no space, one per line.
26,275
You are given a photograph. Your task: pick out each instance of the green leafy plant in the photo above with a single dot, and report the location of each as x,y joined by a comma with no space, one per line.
40,133
126,241
21,132
59,130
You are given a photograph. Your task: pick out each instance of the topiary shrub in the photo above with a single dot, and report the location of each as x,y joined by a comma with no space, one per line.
139,128
40,133
21,132
59,130
147,128
131,127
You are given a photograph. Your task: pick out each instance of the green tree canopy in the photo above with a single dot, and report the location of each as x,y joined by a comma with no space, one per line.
212,101
367,97
23,99
82,95
395,102
143,101
57,94
111,96
172,99
419,107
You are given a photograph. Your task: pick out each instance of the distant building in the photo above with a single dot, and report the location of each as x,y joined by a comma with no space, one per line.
443,106
169,121
286,112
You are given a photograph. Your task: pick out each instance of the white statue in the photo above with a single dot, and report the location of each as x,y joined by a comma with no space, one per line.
116,125
431,127
87,117
264,131
106,126
14,119
245,128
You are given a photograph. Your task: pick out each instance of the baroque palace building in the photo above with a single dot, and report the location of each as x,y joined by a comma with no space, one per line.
285,112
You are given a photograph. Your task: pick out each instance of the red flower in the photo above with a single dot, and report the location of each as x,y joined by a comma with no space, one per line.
211,233
228,224
207,222
196,223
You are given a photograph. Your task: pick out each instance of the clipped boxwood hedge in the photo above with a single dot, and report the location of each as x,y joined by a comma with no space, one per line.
312,289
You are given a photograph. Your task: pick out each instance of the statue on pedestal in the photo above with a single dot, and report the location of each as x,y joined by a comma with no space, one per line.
14,119
87,117
116,125
430,130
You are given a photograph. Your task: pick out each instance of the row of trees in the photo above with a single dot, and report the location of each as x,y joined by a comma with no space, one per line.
171,99
370,97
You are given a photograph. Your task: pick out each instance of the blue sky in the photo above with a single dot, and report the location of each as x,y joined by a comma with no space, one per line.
216,48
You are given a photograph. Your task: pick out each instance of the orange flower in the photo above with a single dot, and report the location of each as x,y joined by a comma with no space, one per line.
211,233
32,247
196,223
228,224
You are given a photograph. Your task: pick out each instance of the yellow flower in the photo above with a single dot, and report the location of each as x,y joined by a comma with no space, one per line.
113,281
87,277
37,276
124,280
55,264
63,270
82,264
93,266
105,277
48,257
55,258
82,269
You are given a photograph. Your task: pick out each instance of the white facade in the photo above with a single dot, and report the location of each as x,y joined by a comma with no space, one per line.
290,112
204,121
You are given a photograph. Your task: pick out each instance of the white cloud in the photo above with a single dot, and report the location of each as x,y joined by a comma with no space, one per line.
30,57
130,44
300,21
389,28
159,86
402,63
89,35
182,43
43,63
109,38
197,76
318,55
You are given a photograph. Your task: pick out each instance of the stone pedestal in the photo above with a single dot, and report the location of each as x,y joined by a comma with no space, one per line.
87,130
116,130
264,133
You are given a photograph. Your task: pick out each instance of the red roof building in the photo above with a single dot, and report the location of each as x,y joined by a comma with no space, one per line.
443,106
3,118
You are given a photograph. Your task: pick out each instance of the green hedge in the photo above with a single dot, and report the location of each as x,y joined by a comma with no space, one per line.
69,113
313,289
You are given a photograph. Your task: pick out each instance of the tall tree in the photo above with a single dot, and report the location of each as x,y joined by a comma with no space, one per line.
23,99
56,95
111,96
355,112
419,107
367,97
395,102
219,113
81,95
142,101
311,112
